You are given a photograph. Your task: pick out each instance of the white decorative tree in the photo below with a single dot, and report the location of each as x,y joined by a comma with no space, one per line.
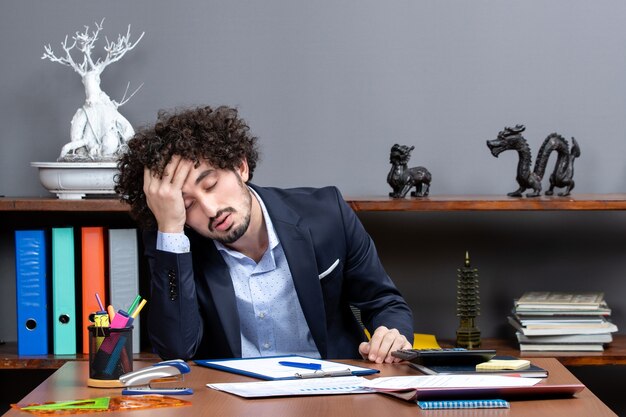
98,131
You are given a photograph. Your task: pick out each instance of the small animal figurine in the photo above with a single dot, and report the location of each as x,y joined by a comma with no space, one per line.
402,179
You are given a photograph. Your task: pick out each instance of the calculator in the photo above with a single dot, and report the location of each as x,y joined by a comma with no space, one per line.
446,356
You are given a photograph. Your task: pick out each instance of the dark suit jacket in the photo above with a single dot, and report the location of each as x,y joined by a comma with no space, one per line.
193,311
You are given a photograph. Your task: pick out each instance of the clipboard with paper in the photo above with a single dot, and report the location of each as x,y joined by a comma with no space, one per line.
274,368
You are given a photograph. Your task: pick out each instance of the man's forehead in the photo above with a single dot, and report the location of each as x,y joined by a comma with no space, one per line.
202,171
205,166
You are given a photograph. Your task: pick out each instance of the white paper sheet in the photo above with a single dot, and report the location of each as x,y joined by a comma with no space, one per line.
447,381
315,386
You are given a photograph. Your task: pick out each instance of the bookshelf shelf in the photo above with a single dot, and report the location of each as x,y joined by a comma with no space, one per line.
580,202
25,209
32,204
490,203
10,360
614,354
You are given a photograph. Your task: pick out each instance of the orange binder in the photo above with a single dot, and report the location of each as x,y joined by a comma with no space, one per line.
93,275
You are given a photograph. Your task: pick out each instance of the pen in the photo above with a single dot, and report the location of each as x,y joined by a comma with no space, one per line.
134,304
138,309
302,365
345,372
99,302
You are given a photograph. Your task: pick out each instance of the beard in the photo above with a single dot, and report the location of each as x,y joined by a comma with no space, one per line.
236,231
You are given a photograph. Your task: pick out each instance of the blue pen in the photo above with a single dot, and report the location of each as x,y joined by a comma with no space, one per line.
302,365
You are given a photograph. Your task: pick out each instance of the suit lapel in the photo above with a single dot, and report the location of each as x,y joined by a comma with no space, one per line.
221,289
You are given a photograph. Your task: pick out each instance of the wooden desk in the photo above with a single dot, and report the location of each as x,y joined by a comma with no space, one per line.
68,383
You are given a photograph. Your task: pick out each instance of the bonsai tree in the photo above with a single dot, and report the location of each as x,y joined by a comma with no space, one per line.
98,131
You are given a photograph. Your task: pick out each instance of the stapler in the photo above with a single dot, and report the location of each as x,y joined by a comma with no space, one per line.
138,382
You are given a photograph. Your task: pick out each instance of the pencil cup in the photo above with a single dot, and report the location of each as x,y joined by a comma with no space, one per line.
110,355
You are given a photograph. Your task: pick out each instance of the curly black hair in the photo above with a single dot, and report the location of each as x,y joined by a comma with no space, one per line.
217,136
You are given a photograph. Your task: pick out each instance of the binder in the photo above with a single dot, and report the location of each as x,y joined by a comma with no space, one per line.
124,273
93,275
63,292
31,292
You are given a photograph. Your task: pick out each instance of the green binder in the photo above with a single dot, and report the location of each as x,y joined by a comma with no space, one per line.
64,318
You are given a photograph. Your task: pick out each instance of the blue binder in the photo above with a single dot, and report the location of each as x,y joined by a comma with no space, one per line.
64,319
30,268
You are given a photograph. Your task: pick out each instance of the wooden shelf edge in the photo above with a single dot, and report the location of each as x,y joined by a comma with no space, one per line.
583,202
52,204
9,359
580,202
614,354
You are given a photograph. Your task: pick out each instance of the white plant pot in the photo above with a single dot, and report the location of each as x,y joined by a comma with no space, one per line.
74,180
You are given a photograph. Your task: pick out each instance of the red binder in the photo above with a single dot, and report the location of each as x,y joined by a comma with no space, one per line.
93,275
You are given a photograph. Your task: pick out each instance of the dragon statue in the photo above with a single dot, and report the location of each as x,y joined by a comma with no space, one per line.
402,179
563,176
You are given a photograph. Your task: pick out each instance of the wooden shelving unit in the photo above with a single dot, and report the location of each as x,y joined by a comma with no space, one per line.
614,354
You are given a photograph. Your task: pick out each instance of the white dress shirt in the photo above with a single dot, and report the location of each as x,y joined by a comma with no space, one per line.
270,315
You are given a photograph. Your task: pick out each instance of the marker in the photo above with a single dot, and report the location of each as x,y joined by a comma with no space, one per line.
99,302
134,304
138,309
131,318
111,312
120,320
302,365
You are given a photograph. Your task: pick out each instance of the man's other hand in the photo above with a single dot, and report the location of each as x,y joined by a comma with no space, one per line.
164,194
383,342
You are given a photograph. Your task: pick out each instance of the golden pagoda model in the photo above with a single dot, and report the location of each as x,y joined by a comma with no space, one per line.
467,306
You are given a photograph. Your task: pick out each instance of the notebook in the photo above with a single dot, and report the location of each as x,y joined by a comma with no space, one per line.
456,404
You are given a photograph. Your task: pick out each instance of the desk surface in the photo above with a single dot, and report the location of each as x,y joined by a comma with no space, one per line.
69,382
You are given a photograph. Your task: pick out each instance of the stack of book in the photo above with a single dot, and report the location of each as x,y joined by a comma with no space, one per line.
556,321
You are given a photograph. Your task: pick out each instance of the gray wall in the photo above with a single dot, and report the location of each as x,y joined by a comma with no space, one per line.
329,86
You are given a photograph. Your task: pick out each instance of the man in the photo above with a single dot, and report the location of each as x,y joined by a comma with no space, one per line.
241,270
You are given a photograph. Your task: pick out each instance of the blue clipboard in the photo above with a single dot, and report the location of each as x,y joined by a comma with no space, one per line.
270,368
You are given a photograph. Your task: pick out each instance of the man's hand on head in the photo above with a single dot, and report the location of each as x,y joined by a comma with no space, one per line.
164,194
383,342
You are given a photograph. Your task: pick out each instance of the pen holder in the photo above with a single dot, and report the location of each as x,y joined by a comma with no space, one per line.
110,355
